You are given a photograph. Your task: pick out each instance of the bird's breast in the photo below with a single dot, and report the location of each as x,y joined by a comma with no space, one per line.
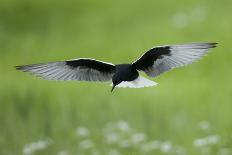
125,72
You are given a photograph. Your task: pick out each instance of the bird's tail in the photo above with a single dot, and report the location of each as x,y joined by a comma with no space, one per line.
140,82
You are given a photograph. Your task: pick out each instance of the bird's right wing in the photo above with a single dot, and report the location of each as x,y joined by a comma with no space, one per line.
78,69
164,58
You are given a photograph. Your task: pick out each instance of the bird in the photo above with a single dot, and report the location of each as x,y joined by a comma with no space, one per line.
153,63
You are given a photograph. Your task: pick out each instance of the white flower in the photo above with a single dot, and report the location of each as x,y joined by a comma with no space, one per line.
86,144
31,148
213,139
123,125
82,131
200,142
210,140
166,147
138,138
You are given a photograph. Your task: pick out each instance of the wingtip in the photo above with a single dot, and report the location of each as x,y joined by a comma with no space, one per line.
207,45
18,67
22,68
212,44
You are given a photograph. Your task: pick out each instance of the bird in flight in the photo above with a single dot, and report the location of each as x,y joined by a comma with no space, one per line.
154,62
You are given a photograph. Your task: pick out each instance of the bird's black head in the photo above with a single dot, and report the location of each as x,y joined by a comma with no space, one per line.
115,81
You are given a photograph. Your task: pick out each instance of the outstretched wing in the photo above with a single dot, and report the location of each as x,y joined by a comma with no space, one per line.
77,69
163,58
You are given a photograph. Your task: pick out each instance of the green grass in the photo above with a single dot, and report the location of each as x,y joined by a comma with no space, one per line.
32,109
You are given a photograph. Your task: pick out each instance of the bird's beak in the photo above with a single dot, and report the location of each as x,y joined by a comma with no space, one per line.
113,88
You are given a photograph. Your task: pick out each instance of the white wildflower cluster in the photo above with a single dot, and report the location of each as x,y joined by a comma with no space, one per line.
166,147
121,134
82,131
209,140
205,143
211,143
86,144
119,137
32,148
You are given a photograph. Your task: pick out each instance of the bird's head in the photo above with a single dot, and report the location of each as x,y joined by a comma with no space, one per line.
115,81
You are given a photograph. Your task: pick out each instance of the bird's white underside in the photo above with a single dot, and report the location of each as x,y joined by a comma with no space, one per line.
140,82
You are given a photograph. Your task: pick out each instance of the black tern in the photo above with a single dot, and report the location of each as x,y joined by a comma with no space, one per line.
154,62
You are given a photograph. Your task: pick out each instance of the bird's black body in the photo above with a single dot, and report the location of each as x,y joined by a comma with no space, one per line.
154,62
124,72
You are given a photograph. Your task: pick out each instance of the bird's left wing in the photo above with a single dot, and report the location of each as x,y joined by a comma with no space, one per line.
78,69
163,58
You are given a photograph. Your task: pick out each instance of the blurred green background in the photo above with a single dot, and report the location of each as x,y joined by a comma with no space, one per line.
189,112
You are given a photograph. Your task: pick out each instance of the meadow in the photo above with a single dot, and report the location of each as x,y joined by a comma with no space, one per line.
187,113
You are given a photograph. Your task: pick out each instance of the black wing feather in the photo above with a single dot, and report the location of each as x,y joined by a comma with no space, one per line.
150,56
91,63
